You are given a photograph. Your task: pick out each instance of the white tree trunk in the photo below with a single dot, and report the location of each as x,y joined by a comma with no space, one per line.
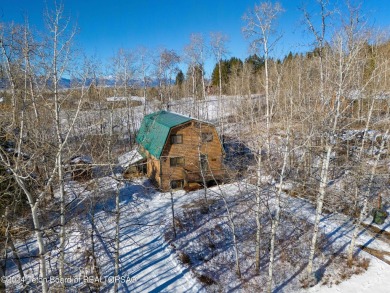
276,220
173,213
267,99
9,242
38,233
235,243
258,212
320,202
363,212
117,237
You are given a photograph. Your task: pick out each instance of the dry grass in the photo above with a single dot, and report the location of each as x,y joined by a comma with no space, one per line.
377,253
185,258
198,203
206,280
343,270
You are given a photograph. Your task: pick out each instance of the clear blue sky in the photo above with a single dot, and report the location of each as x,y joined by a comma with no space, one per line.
106,26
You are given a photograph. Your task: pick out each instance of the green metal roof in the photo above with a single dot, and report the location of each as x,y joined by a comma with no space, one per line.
155,128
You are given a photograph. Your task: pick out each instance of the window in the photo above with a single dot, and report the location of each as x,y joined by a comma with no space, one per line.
177,161
176,138
207,137
176,184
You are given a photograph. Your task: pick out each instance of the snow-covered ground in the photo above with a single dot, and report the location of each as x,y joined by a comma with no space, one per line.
205,239
375,279
96,121
132,98
144,254
148,263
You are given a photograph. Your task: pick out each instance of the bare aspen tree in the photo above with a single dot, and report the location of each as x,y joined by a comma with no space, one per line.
363,212
25,50
60,44
321,195
110,156
169,61
30,137
117,235
320,41
166,65
9,242
159,74
259,166
196,54
9,50
191,69
260,27
143,68
368,84
29,80
20,180
124,71
342,65
275,220
173,213
17,167
91,215
218,47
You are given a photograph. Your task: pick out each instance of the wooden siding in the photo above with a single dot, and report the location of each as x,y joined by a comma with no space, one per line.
190,149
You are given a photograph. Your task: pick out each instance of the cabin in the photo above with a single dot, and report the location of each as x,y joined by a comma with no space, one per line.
180,150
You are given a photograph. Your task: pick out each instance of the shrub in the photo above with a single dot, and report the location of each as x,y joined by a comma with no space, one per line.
206,280
184,258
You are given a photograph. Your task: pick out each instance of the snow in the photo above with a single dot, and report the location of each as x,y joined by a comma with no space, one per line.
132,98
149,259
371,135
129,158
147,263
81,160
219,261
150,262
339,228
375,279
357,94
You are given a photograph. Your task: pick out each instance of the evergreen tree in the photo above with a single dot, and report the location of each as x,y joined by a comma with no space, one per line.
179,78
226,71
288,58
194,76
256,62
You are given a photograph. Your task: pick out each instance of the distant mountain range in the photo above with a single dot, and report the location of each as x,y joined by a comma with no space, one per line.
66,83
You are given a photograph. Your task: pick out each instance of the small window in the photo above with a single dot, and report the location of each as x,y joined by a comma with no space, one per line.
176,138
176,184
177,162
207,137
